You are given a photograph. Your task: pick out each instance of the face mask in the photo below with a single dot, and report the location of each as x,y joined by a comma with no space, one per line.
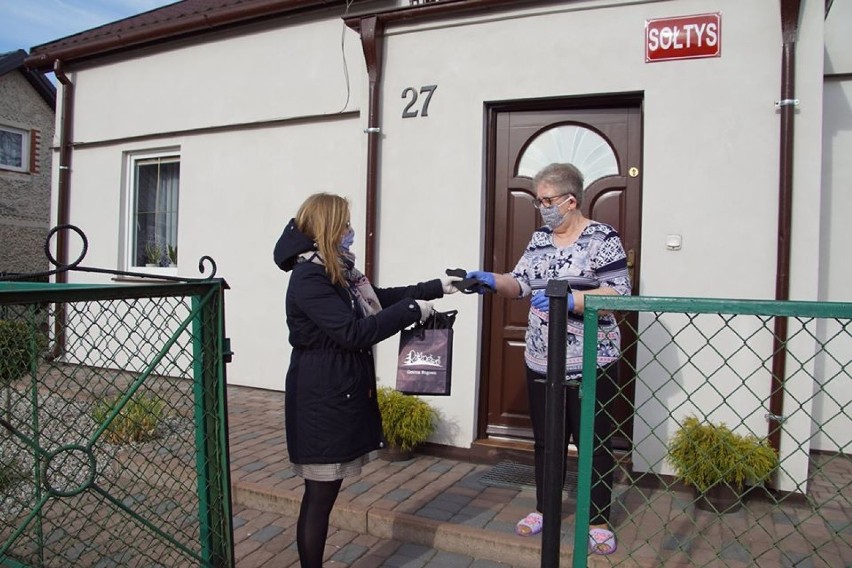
551,216
348,239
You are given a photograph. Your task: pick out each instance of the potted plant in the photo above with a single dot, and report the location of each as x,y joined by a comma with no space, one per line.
172,250
406,420
153,253
718,462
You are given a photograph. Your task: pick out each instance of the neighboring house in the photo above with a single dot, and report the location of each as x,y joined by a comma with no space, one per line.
27,116
204,124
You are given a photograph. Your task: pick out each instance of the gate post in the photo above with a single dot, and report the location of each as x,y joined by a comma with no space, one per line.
554,420
212,459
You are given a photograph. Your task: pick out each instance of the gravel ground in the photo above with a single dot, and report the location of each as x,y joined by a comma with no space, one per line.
70,463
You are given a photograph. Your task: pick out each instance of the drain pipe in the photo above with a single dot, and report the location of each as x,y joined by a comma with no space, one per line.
65,133
789,30
66,122
372,39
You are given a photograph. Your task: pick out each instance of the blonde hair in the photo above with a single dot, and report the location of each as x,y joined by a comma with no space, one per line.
324,217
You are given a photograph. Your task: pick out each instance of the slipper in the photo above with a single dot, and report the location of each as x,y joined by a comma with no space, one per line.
601,541
530,525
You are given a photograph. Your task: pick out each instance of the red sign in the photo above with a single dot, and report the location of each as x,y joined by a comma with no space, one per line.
685,37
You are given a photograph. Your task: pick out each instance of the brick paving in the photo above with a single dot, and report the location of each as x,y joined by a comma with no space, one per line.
436,512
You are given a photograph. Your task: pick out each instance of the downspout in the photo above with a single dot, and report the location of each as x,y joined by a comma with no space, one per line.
66,122
372,31
789,30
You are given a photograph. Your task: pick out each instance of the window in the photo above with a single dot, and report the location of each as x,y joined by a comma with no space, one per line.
578,145
14,149
155,187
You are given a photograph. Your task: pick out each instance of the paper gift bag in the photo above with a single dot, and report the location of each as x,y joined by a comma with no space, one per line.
426,356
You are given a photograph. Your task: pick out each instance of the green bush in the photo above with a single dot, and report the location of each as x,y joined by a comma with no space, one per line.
406,420
704,455
18,348
136,422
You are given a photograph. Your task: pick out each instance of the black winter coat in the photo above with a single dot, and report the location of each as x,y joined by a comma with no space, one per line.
330,408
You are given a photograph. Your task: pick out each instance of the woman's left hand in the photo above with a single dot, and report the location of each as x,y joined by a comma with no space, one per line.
541,302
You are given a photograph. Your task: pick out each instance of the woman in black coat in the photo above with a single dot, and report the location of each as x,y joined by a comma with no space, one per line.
335,316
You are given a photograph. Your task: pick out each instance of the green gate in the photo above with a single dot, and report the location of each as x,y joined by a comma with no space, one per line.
717,362
113,425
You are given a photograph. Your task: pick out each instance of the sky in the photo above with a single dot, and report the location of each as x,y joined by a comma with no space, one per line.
27,23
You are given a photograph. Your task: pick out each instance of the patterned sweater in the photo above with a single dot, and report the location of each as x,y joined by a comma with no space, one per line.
594,260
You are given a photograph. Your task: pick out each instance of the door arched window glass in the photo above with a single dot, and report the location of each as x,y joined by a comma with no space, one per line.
574,144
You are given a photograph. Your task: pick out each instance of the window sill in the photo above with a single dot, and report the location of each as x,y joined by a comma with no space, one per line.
10,170
154,272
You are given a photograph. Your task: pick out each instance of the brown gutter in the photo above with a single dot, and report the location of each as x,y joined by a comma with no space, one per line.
178,26
789,30
435,10
66,129
372,42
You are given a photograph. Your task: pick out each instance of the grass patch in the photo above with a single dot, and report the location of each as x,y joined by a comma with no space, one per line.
136,422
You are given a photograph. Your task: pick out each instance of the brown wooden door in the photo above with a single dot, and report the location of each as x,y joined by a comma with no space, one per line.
521,142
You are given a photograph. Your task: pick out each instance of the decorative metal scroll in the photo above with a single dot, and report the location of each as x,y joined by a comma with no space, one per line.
203,262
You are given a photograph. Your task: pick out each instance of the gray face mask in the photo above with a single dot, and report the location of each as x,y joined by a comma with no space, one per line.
552,217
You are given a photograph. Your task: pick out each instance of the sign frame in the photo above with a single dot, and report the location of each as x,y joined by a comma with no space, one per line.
694,53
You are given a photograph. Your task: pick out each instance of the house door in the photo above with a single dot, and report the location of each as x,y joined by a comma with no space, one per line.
605,143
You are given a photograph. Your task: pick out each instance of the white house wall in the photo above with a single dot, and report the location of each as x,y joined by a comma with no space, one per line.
239,186
833,399
710,165
284,73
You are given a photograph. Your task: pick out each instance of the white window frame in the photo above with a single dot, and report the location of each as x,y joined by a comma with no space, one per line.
25,149
130,204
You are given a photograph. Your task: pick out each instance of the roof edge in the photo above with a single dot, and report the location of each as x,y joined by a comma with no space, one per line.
15,60
171,30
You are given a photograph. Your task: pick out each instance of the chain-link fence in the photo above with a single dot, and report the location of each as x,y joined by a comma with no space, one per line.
708,400
113,426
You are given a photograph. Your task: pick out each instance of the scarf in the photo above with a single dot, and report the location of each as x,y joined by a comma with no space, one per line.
359,285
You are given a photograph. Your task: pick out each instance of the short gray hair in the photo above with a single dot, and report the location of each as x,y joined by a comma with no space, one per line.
566,178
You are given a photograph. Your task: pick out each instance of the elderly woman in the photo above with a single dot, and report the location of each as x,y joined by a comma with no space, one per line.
335,316
591,257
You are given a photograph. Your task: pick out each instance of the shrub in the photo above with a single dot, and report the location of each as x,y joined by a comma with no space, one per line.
136,422
19,346
704,455
406,420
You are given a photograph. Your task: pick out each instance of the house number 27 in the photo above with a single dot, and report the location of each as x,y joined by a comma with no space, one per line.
410,110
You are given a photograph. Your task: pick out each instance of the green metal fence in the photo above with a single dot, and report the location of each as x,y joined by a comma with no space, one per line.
113,426
716,361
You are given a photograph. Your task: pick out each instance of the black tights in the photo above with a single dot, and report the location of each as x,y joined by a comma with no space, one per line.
312,528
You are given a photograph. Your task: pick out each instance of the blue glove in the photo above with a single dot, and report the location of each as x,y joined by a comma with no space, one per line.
541,302
486,278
